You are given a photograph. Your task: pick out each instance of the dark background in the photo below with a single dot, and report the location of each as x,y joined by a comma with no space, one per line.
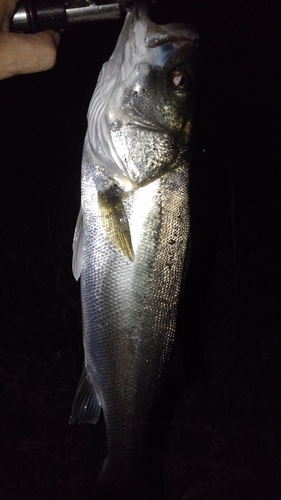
224,438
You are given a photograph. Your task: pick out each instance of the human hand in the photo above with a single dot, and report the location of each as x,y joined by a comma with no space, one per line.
20,54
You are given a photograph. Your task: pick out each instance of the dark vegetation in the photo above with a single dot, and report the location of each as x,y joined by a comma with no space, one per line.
224,439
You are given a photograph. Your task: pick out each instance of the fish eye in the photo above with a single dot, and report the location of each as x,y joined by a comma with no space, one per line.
180,81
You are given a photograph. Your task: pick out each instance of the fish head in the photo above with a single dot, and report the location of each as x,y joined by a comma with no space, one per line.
141,112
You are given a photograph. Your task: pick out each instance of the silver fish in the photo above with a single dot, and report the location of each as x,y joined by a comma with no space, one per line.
131,237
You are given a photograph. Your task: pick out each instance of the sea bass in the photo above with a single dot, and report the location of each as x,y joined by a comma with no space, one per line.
131,238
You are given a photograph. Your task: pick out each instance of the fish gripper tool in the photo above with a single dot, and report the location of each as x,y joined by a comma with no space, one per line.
32,16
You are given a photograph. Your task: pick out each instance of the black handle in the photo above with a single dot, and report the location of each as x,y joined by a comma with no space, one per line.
37,15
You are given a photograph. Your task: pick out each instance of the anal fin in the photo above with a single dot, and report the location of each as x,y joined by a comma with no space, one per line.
86,406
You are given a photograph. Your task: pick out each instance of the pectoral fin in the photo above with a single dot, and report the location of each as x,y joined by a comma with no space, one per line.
77,247
115,221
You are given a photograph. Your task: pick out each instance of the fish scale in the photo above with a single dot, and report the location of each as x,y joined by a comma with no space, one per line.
130,242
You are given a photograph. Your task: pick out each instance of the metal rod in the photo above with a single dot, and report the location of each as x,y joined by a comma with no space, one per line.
93,13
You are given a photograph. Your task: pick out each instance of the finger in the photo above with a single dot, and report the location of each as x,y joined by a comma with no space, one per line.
7,8
21,54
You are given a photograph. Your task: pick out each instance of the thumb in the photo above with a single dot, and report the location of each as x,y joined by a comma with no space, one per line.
20,54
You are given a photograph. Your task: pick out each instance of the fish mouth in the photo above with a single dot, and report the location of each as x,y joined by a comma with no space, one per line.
160,34
157,35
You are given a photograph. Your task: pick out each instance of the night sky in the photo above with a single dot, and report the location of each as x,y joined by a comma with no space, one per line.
223,442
